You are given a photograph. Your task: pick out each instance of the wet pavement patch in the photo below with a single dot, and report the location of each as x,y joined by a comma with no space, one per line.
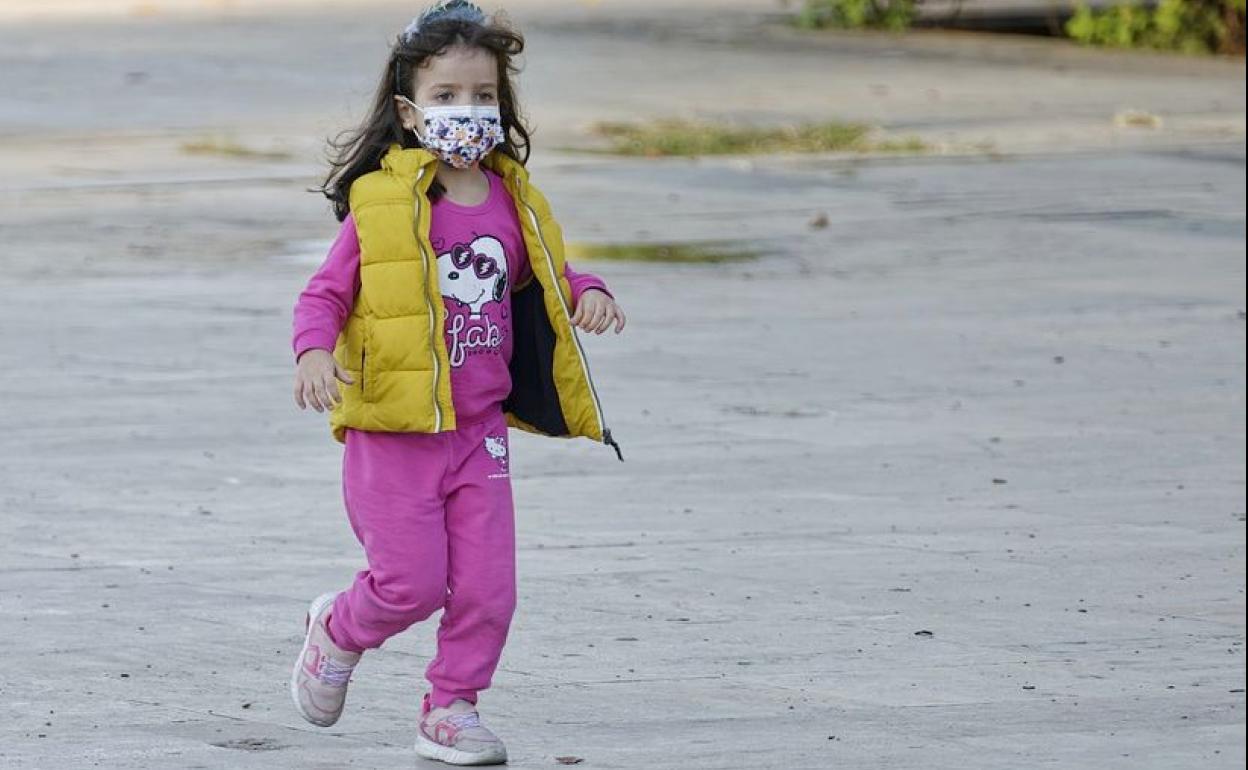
689,252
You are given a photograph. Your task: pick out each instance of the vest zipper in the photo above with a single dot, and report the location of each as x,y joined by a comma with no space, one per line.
554,279
433,340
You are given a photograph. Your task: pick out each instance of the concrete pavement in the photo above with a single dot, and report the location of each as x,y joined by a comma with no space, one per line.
998,398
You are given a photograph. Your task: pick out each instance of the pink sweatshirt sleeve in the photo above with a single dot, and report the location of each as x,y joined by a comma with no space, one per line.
580,282
327,300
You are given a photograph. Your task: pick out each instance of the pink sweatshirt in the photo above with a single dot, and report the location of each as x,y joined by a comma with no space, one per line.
481,258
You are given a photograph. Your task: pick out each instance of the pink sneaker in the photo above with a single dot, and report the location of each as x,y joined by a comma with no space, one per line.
455,735
319,682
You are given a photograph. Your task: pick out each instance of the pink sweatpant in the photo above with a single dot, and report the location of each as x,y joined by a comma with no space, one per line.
434,514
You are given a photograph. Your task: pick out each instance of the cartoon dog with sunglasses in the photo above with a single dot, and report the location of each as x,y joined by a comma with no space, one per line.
474,273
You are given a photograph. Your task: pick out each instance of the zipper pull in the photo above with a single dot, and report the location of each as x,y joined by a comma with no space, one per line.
606,439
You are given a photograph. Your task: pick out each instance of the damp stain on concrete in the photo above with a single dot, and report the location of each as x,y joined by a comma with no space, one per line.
251,744
688,252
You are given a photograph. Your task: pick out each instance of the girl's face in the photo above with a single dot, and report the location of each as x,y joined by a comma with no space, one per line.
459,75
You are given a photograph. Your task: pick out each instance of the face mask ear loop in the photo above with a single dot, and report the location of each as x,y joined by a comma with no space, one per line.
416,106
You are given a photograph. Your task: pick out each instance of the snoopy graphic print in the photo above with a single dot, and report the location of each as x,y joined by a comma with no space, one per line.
473,275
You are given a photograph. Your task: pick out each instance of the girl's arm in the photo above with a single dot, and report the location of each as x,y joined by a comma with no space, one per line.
323,306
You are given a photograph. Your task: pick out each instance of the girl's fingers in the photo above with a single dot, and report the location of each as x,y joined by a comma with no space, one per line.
309,395
592,324
322,396
331,388
343,374
299,395
606,319
619,327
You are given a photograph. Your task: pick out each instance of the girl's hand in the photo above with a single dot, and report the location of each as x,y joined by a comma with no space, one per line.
596,310
315,375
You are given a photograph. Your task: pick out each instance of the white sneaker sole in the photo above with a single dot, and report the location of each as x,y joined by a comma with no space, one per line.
314,611
430,750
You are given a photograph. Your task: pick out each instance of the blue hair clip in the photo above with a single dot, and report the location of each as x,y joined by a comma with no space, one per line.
445,10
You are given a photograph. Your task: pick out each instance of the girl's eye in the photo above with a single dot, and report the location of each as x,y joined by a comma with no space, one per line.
486,95
443,96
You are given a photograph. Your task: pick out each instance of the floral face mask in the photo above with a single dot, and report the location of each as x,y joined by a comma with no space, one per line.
460,134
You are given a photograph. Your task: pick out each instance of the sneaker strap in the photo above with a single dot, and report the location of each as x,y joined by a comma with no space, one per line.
335,673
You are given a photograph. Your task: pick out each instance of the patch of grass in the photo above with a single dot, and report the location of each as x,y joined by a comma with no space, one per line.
1188,26
685,253
895,15
221,145
689,138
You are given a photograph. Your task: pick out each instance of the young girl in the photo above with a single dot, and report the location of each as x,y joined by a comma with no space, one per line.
447,310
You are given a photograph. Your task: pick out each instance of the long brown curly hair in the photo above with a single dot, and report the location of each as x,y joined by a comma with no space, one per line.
363,147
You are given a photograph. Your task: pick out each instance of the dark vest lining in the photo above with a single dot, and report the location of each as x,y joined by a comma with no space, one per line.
533,396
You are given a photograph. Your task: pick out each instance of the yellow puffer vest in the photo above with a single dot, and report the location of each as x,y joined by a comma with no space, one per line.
393,345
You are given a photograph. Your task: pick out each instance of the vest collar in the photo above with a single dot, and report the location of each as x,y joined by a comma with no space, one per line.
407,161
505,165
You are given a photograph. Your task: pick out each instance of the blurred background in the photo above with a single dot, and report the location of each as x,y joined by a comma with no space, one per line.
931,398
